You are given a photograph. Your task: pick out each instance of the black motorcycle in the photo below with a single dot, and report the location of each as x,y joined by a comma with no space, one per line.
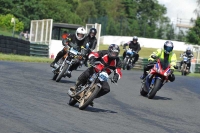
63,65
85,94
128,60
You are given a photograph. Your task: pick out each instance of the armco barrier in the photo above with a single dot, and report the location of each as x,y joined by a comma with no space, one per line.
41,50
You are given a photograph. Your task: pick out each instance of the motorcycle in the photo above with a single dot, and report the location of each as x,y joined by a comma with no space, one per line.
63,65
85,94
127,63
184,67
155,79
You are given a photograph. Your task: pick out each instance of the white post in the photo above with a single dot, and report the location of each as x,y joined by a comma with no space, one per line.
36,33
42,29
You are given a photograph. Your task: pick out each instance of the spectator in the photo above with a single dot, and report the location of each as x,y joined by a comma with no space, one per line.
26,35
21,35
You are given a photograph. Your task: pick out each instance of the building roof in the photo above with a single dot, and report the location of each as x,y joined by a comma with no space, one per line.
66,25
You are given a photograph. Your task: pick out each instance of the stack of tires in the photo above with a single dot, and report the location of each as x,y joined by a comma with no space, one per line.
13,45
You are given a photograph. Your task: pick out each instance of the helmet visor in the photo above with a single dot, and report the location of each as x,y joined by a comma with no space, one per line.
168,49
114,53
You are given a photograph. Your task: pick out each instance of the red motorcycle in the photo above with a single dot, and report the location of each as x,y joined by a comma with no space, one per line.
155,79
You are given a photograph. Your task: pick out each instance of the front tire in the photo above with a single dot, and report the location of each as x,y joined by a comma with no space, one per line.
153,91
85,102
124,63
60,75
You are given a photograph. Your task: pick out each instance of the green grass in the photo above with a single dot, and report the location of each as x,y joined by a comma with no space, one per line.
190,75
20,58
6,32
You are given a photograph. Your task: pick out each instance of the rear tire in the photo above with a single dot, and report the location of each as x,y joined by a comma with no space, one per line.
95,90
60,75
142,92
55,76
153,91
72,101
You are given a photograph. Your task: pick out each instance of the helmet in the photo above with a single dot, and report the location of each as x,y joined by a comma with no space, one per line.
113,51
80,33
135,38
168,47
93,30
188,51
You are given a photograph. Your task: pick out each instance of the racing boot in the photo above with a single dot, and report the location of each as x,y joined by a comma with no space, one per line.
73,89
68,74
143,76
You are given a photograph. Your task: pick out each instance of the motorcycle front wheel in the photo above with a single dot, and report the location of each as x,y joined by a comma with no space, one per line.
124,63
60,75
154,90
89,96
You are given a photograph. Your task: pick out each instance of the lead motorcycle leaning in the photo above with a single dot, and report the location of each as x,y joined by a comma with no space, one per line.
85,94
156,78
63,65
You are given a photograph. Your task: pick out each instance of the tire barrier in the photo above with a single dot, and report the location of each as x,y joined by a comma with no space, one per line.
41,50
11,45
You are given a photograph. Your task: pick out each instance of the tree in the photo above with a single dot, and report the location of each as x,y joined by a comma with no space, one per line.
193,35
5,22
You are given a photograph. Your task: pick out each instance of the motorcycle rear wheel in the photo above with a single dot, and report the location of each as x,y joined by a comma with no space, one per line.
55,76
142,92
154,90
72,101
90,97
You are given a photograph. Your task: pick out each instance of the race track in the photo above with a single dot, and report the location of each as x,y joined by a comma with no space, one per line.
30,102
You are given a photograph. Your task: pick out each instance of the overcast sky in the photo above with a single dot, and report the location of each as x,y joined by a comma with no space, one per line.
179,8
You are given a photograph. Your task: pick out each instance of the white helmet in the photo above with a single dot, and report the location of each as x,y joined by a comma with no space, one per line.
80,31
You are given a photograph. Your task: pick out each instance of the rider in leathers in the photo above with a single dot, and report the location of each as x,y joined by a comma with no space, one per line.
188,53
102,59
134,45
92,41
165,54
76,41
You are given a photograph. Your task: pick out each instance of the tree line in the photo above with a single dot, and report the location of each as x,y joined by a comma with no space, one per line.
143,18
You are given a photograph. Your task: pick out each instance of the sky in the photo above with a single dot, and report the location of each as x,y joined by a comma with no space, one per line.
183,9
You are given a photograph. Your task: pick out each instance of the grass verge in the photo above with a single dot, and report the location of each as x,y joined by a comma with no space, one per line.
13,57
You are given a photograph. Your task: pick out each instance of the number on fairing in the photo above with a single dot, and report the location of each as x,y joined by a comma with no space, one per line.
185,58
103,76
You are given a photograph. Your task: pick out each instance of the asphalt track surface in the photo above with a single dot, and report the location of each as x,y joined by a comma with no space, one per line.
30,102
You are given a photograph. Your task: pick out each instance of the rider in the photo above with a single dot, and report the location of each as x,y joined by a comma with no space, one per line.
76,41
134,45
188,53
104,58
165,54
92,41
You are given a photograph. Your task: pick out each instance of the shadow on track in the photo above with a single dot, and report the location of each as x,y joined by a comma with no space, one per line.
92,109
161,98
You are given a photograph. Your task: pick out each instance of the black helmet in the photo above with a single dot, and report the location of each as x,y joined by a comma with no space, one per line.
113,51
188,51
135,38
168,47
93,30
